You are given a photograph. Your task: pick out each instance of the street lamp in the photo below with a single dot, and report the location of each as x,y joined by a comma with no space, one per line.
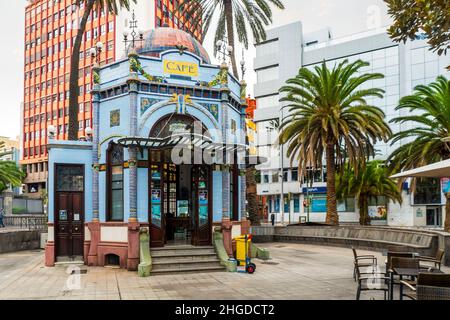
96,51
224,49
135,35
51,130
89,132
243,69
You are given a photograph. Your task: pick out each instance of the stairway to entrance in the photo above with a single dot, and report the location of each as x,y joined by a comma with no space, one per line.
185,259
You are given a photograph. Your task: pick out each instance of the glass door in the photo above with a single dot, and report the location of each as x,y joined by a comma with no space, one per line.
202,205
156,205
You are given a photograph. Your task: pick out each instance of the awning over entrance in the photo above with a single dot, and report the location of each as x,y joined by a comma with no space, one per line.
435,170
182,140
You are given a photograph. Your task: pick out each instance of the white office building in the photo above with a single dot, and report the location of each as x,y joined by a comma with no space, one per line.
404,65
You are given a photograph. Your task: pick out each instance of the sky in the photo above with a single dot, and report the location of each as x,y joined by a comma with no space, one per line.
343,17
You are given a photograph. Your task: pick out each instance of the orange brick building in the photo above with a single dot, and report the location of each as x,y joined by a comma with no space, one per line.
50,29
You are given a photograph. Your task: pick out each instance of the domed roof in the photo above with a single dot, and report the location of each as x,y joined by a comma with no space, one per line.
165,38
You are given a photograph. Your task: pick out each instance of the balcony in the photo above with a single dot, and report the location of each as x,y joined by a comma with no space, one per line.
36,177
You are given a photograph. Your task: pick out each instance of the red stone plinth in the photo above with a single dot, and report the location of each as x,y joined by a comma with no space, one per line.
227,225
133,246
94,228
50,254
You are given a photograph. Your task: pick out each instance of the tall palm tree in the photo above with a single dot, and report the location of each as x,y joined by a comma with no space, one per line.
428,110
234,16
89,5
329,116
368,182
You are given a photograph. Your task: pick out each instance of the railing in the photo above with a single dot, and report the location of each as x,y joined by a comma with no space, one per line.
26,222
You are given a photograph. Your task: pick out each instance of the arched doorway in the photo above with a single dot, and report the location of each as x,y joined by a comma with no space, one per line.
180,195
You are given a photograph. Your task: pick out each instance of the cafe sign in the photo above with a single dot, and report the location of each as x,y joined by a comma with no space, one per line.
181,68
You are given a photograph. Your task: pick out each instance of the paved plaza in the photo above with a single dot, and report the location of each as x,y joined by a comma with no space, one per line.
296,271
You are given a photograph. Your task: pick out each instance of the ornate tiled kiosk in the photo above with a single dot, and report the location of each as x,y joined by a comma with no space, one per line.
163,164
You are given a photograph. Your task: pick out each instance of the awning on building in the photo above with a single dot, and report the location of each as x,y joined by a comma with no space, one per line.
435,170
182,140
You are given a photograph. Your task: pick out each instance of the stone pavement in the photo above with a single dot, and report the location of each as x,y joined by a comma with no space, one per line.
296,271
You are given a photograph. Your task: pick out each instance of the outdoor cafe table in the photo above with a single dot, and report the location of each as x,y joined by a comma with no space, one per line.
407,272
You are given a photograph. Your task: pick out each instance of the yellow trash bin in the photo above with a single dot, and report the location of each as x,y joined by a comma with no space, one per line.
242,248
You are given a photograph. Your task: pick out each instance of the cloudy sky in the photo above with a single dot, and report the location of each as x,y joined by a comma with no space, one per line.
344,17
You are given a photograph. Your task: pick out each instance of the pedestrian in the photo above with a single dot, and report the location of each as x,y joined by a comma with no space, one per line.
2,214
272,218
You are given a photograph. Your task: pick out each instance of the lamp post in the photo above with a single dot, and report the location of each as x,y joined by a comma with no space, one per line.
134,36
51,131
89,132
96,52
243,68
224,50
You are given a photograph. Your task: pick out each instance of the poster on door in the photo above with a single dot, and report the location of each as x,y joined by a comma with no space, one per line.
203,198
156,196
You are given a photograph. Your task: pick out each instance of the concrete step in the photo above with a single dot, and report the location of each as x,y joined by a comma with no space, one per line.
182,265
174,270
181,251
184,257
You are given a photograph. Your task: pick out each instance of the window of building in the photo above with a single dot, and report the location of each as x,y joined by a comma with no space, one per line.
268,74
267,48
115,183
275,176
296,203
268,101
428,191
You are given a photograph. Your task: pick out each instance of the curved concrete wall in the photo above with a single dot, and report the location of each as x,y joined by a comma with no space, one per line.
370,238
19,240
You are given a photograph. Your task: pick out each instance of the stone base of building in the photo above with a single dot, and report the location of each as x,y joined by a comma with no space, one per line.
101,246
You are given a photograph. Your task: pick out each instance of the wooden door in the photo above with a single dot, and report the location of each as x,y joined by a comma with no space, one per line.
202,206
69,224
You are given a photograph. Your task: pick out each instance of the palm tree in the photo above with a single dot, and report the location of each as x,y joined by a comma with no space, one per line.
428,110
113,7
10,175
234,16
367,183
328,113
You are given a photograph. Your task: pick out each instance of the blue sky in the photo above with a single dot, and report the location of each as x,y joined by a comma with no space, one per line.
344,17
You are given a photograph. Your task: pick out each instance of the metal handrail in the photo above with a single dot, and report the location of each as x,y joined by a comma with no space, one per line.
26,222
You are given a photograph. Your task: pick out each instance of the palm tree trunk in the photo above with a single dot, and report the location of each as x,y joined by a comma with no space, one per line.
230,32
74,65
332,216
252,198
364,218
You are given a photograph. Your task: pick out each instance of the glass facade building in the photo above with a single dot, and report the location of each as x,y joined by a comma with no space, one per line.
404,66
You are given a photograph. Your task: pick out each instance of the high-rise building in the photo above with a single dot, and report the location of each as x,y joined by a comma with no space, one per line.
290,197
50,30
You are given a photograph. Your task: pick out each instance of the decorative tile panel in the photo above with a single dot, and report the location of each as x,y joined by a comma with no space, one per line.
147,103
114,118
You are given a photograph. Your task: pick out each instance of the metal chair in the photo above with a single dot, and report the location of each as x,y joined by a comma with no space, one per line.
359,261
436,260
371,281
402,262
429,286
